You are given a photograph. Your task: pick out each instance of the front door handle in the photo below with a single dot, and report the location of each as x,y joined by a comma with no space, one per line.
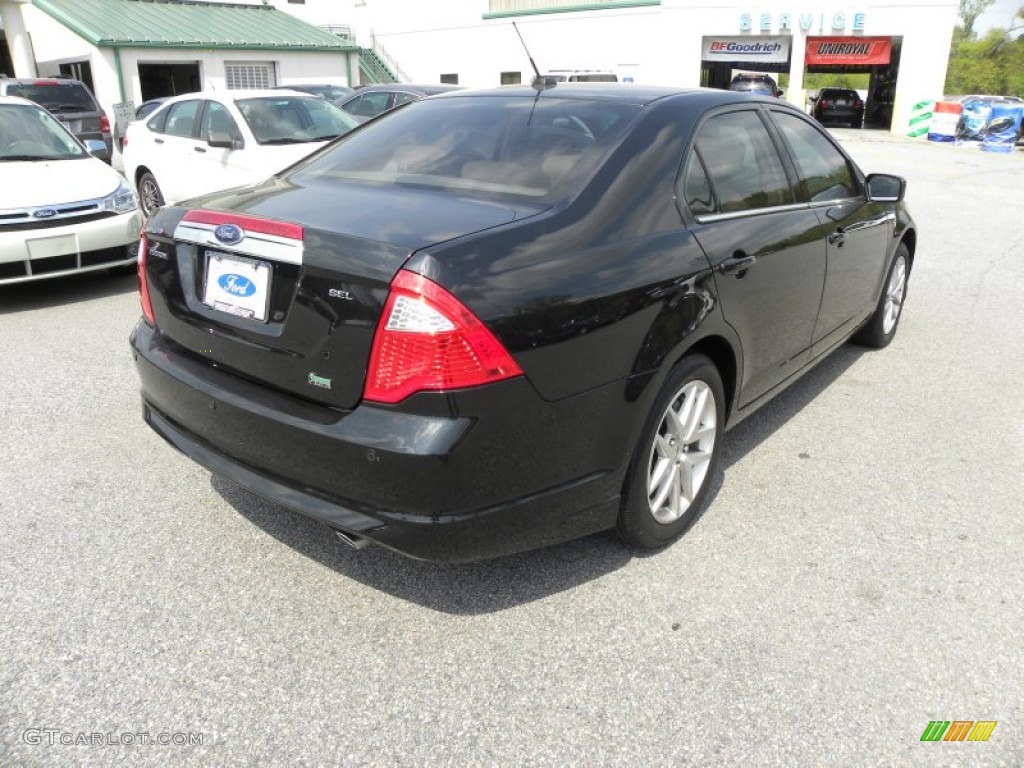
199,149
837,237
158,141
737,264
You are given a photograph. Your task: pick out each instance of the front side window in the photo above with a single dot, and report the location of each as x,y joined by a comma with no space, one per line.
217,119
744,167
29,133
824,173
181,118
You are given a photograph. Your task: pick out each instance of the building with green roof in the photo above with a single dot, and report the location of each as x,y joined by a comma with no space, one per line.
135,50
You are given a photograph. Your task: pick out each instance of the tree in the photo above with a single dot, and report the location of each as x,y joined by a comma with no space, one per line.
970,10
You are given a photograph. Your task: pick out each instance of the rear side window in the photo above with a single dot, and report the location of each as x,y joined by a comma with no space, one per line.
824,173
181,118
696,189
369,104
744,167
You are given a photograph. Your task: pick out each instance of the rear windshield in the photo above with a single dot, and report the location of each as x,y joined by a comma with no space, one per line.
839,93
755,86
491,145
293,120
58,97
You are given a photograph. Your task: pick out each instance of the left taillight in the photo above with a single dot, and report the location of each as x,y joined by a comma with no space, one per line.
147,304
427,340
104,124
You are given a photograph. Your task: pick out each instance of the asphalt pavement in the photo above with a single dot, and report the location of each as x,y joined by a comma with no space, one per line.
857,575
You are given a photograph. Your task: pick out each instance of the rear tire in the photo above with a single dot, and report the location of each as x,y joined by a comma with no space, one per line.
672,466
881,328
150,196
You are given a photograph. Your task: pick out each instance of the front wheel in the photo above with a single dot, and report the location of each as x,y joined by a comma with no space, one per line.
669,476
881,328
150,196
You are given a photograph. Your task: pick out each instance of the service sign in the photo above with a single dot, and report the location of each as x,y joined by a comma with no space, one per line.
848,50
755,49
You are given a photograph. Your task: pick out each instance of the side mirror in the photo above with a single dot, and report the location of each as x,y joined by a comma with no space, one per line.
95,147
780,93
223,140
886,188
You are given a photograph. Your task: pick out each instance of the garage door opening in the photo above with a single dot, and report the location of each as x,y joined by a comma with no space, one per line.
160,80
868,65
724,58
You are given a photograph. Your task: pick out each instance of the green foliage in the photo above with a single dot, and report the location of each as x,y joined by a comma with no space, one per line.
856,81
994,64
969,12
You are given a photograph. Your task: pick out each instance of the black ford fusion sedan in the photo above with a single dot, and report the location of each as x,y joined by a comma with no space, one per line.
496,320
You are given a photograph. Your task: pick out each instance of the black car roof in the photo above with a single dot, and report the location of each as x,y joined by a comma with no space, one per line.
428,89
626,93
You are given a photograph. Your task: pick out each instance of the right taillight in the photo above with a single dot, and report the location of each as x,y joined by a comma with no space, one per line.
147,304
427,340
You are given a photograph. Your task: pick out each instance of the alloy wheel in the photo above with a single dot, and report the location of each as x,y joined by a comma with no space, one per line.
682,451
149,196
894,295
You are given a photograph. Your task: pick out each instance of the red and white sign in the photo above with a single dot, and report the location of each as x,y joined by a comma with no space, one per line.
848,50
757,49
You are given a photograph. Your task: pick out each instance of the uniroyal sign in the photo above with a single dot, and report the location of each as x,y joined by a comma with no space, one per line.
762,49
848,50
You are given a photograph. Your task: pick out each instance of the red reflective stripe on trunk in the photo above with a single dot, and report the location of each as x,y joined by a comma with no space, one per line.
246,222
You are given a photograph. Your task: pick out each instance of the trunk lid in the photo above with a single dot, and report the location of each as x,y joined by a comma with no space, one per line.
285,285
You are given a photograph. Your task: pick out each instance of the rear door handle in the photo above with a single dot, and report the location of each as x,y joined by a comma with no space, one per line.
158,141
199,149
837,237
737,264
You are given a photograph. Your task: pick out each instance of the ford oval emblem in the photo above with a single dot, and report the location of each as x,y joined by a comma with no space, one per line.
229,234
44,213
236,285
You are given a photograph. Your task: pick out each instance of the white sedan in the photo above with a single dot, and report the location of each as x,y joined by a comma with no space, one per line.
203,142
62,211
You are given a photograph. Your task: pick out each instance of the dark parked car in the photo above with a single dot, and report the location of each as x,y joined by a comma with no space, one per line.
496,320
329,92
842,105
70,101
761,84
375,100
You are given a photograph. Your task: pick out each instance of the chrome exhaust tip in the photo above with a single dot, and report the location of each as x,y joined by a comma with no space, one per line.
356,542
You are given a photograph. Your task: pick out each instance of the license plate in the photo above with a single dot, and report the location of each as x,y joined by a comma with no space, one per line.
843,102
240,287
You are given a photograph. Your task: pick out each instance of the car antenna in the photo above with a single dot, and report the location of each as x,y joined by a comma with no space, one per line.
540,83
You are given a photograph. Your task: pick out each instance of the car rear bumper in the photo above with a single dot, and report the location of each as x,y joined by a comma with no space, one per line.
841,115
102,243
434,485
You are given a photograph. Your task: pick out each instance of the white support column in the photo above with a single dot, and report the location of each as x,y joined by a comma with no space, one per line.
17,38
795,93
